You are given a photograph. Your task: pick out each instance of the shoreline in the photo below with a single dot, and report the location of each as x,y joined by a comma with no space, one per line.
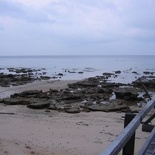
39,132
37,85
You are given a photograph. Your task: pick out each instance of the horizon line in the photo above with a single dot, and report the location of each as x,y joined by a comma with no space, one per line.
78,55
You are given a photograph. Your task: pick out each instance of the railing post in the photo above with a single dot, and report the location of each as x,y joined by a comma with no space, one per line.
129,147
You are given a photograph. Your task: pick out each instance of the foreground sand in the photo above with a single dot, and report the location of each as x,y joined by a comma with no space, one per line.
38,132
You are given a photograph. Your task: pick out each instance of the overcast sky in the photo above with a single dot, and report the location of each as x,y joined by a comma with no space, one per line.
75,27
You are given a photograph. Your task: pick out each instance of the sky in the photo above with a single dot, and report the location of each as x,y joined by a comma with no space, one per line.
77,27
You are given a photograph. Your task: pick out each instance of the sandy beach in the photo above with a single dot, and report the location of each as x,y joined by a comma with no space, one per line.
25,131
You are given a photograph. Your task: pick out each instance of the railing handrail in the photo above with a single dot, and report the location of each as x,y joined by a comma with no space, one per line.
126,134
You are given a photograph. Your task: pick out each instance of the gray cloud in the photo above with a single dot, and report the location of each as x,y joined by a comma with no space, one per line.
18,11
139,20
8,8
74,27
142,14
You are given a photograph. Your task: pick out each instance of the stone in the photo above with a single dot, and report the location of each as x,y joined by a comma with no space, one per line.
134,72
80,72
28,93
82,84
11,101
111,106
147,72
52,107
92,94
129,94
148,81
71,72
38,105
72,97
73,110
60,74
1,100
108,74
118,72
45,77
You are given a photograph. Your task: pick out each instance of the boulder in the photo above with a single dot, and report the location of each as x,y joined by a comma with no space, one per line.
71,96
129,94
38,105
60,74
148,81
108,74
82,84
80,72
134,72
13,101
52,107
45,77
73,110
147,72
71,72
111,106
118,72
28,93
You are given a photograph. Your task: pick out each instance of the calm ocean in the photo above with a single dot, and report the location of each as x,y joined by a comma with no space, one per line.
89,65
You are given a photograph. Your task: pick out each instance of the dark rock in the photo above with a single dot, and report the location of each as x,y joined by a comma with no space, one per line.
52,107
85,104
73,110
112,106
11,101
90,90
45,77
60,74
80,72
134,72
54,77
95,93
38,105
67,91
47,111
1,100
82,84
118,72
147,72
61,107
11,69
112,85
129,94
53,91
53,104
44,73
22,76
28,93
148,81
71,72
72,97
10,76
101,90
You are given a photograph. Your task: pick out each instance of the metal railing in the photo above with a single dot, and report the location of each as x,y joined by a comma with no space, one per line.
126,138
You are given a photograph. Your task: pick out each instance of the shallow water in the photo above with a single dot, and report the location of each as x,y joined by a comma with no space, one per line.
90,65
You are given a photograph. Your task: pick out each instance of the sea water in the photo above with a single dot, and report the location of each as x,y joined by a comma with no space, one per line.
89,66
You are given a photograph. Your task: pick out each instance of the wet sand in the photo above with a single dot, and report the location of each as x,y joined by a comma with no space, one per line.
37,85
37,132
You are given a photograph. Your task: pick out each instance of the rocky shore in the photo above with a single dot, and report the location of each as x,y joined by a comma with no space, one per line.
91,94
45,117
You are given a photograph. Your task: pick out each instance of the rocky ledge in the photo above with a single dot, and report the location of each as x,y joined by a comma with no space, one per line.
92,94
21,76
